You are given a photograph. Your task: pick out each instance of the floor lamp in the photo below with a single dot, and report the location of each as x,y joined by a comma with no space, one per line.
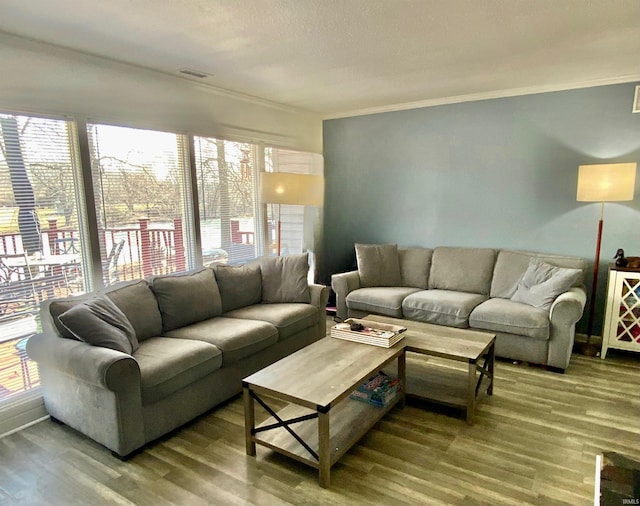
613,182
288,188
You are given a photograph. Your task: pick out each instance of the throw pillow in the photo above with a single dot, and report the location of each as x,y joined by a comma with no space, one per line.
240,286
187,298
542,283
378,265
99,322
284,279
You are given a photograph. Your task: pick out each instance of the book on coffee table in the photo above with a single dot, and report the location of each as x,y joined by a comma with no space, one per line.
368,332
379,390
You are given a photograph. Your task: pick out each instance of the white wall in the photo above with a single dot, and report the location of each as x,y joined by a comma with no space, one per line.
39,78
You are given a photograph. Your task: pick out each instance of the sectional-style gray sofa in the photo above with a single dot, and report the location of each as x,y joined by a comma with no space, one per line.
531,301
182,344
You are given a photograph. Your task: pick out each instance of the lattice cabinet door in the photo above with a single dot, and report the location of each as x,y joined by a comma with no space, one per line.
622,316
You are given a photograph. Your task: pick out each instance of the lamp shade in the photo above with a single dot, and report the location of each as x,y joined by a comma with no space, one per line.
606,182
288,188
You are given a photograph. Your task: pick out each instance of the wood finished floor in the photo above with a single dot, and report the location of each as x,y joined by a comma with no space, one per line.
534,442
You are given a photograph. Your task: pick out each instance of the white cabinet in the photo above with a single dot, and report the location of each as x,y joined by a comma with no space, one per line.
622,317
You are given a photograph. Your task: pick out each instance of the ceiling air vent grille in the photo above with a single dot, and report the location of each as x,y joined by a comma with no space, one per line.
194,73
636,100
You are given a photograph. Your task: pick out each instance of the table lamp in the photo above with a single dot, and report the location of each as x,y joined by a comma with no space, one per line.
613,182
288,188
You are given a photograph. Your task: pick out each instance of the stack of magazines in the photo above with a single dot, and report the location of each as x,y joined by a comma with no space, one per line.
368,332
378,390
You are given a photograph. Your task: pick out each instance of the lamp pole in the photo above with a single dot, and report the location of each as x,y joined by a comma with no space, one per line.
588,349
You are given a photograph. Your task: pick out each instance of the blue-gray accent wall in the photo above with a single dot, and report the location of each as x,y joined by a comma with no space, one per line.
497,173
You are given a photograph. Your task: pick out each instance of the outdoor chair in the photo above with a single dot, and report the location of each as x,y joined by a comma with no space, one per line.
110,265
19,284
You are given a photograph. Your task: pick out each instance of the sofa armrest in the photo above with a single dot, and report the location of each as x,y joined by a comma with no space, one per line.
102,367
319,296
565,312
569,306
343,284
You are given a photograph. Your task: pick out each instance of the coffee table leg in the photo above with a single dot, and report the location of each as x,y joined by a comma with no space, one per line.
492,365
402,374
249,420
324,453
471,392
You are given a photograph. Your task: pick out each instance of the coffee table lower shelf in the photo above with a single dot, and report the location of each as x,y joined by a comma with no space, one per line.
448,386
348,421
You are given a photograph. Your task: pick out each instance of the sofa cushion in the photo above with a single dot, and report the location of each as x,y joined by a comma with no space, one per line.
384,300
415,264
59,306
99,322
442,307
138,303
462,269
511,266
239,285
167,365
236,338
288,318
378,265
187,298
503,315
284,279
542,283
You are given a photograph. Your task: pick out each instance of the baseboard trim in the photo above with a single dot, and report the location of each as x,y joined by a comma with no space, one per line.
582,338
22,413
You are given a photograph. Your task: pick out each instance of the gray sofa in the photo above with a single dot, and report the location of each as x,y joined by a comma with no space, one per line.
197,335
531,301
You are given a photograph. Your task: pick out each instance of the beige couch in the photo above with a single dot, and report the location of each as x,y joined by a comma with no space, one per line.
502,291
195,336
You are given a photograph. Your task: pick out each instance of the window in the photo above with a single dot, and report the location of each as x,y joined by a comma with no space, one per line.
41,237
227,180
142,184
142,201
297,223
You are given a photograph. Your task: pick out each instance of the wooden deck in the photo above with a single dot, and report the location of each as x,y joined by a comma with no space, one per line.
17,373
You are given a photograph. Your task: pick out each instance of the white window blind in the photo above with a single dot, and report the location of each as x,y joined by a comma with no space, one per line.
40,236
226,179
140,191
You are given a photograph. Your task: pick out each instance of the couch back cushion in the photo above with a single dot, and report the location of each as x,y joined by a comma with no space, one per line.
137,301
284,279
240,286
462,269
512,264
378,265
415,264
187,298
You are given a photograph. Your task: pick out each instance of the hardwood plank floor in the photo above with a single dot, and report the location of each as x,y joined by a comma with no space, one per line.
534,442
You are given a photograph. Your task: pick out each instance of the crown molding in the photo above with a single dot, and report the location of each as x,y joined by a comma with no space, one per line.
489,95
72,53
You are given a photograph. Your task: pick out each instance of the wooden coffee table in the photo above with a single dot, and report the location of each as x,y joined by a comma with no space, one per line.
320,423
442,385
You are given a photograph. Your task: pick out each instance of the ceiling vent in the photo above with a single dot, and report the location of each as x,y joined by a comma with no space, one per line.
636,100
194,73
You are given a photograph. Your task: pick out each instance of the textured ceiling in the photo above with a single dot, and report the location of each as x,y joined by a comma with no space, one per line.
336,57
